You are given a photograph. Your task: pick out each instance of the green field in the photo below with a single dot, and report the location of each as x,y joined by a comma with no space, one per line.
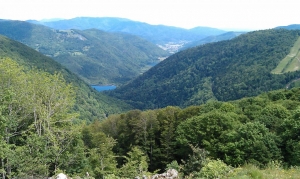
291,62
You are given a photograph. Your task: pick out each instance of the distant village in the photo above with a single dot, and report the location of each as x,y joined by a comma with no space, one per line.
173,47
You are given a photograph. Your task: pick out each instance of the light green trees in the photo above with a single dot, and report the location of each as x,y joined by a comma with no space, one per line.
136,164
99,147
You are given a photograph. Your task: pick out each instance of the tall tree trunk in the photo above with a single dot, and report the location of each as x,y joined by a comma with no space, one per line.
2,163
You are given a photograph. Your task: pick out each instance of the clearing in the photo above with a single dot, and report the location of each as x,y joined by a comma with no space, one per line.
291,62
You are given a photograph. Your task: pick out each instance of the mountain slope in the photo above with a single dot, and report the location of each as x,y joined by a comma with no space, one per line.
158,34
97,57
225,70
89,103
289,27
210,39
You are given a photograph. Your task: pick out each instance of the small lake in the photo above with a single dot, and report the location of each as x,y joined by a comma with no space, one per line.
104,88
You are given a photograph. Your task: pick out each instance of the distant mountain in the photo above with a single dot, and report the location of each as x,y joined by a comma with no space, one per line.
225,70
216,38
158,34
96,56
289,27
90,103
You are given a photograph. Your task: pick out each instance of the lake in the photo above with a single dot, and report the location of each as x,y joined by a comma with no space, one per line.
104,88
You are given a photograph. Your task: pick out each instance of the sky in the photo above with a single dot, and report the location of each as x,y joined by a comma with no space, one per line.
223,14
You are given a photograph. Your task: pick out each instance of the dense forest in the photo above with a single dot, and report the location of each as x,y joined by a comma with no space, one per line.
225,70
41,137
91,104
213,38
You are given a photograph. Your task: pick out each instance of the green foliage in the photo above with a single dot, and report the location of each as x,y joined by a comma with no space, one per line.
41,136
250,171
136,164
226,70
174,165
89,103
36,108
233,132
195,162
251,142
273,115
215,169
207,131
290,134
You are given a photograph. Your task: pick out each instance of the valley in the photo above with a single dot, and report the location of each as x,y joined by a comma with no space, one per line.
115,98
96,56
225,70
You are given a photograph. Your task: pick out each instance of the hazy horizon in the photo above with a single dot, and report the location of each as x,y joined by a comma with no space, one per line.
221,14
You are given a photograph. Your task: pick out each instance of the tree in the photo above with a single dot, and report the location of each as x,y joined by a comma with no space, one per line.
14,115
136,164
101,157
273,115
208,131
168,122
36,109
289,132
251,142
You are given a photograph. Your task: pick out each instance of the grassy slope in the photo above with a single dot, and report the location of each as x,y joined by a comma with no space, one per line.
291,62
272,171
91,104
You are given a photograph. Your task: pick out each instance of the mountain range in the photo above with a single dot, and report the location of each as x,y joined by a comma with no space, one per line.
247,65
225,70
107,50
96,56
157,34
214,38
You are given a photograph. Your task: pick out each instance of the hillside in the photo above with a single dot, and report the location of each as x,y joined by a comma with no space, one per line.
95,56
289,27
89,103
225,70
158,34
210,39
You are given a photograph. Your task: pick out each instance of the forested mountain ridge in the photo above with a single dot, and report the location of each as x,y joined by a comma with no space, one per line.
289,27
210,39
225,70
89,103
158,34
97,57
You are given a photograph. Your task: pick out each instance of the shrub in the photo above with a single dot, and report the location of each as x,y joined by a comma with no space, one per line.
215,169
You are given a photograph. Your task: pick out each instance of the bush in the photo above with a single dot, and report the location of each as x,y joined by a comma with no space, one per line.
215,169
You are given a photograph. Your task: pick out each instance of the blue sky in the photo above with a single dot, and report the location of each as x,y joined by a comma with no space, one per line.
224,14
